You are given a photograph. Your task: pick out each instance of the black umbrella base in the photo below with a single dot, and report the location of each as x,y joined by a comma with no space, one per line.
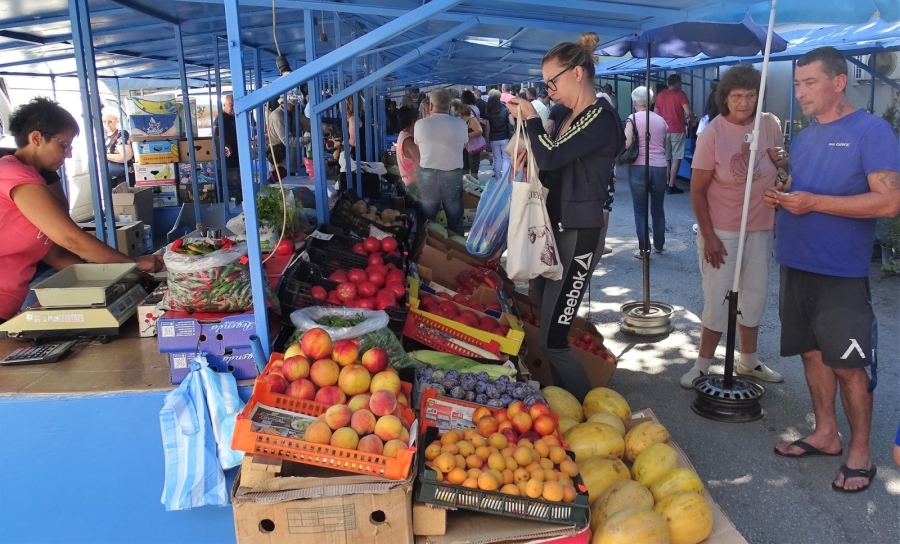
736,404
657,323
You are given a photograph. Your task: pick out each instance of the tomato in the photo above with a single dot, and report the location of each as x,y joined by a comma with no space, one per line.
339,276
388,244
366,289
346,291
357,276
586,337
284,247
375,259
318,293
367,303
359,249
377,277
398,289
371,244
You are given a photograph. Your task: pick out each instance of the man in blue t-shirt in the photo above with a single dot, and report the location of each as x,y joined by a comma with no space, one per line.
845,172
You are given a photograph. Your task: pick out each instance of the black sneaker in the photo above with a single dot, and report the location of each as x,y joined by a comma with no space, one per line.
673,190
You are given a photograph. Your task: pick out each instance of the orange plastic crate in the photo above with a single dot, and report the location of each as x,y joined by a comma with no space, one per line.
300,451
437,335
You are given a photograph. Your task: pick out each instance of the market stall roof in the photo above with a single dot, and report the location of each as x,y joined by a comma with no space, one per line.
861,39
136,38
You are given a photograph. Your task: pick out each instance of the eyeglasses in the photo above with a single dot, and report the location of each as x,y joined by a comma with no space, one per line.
743,97
551,83
65,145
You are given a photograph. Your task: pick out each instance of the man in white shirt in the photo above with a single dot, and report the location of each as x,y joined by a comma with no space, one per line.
532,94
441,140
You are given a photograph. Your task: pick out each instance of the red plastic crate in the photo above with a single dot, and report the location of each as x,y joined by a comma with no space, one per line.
439,336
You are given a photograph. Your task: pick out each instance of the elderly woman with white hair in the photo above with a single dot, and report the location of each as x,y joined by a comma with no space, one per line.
637,177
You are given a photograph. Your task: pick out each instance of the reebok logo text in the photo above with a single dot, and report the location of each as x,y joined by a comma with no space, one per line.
574,295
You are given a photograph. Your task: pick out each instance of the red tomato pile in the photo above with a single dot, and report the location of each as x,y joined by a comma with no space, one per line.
444,305
377,287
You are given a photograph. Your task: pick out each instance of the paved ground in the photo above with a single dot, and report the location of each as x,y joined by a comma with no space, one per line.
769,498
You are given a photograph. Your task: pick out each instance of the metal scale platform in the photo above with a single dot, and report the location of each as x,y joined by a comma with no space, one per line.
81,300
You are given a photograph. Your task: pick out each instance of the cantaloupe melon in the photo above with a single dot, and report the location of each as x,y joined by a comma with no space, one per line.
563,403
643,435
604,399
589,439
677,479
609,418
617,497
688,516
601,471
653,462
633,526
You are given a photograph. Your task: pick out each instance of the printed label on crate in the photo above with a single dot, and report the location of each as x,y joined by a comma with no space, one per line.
269,420
180,361
321,235
178,328
447,416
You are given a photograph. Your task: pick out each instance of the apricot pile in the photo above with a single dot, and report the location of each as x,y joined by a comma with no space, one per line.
539,470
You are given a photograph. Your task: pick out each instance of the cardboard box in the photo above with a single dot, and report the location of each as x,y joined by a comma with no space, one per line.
148,238
148,312
157,126
443,267
203,150
155,151
213,333
429,520
724,531
323,506
206,172
148,175
240,362
163,200
137,105
599,369
134,205
129,236
207,193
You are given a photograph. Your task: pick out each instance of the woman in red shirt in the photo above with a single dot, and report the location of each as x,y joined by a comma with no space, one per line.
33,225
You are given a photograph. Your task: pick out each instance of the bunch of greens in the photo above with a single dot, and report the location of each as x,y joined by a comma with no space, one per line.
270,207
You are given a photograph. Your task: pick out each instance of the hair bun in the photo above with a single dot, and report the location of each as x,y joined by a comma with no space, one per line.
589,41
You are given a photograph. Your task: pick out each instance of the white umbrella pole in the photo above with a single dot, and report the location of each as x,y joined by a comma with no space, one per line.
754,146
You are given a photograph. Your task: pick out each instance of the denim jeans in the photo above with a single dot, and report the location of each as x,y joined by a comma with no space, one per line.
501,157
636,179
440,187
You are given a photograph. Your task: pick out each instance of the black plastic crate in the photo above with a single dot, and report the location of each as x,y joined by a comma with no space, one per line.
343,215
329,257
442,494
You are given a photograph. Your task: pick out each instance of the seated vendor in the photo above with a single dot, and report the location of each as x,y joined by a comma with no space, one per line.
34,225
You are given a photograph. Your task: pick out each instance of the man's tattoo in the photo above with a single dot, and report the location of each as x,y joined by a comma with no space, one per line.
840,109
889,178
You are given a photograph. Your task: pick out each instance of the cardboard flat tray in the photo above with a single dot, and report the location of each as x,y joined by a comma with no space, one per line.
80,285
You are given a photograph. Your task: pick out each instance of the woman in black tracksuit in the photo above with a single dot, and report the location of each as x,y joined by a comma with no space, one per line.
576,163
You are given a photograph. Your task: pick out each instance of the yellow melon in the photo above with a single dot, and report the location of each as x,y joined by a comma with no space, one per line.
617,497
563,403
653,462
589,439
633,526
675,480
688,516
604,399
608,418
601,471
643,435
566,423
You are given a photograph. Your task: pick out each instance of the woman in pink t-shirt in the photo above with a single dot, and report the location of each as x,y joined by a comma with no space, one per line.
718,182
33,225
637,173
407,150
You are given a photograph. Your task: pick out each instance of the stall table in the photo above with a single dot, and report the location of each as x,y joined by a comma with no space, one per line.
82,449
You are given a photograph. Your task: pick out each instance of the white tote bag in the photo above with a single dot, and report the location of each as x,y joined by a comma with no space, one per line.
531,248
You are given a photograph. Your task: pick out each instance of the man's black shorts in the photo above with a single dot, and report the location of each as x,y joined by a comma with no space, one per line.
827,313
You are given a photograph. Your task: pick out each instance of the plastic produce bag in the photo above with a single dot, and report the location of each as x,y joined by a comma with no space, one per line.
199,412
487,237
385,339
215,281
309,317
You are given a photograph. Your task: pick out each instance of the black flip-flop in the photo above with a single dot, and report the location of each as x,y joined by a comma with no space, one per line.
808,450
855,473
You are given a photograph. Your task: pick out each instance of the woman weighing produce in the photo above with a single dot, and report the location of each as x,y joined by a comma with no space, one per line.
576,165
33,224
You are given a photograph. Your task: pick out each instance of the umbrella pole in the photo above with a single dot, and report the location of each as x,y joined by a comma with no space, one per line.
645,253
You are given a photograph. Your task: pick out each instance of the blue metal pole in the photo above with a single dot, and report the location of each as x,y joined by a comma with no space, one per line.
211,121
122,137
359,151
223,168
298,145
63,178
318,150
288,148
93,129
342,106
262,169
188,124
238,84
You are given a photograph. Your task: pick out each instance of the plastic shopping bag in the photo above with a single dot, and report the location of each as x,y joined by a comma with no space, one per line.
531,247
223,404
193,476
487,237
307,318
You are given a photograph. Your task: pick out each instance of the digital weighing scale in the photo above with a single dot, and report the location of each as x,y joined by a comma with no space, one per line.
81,300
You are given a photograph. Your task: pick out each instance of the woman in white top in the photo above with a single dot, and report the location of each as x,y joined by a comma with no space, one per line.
637,173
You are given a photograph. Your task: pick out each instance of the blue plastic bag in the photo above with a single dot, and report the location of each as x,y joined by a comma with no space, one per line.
487,237
200,412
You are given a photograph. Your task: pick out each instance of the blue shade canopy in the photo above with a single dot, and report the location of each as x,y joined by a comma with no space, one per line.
693,38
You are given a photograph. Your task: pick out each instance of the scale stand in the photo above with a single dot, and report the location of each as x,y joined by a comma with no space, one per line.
728,398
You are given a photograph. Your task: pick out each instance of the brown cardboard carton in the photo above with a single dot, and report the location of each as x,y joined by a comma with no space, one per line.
429,520
129,237
322,506
724,531
203,150
135,203
468,527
